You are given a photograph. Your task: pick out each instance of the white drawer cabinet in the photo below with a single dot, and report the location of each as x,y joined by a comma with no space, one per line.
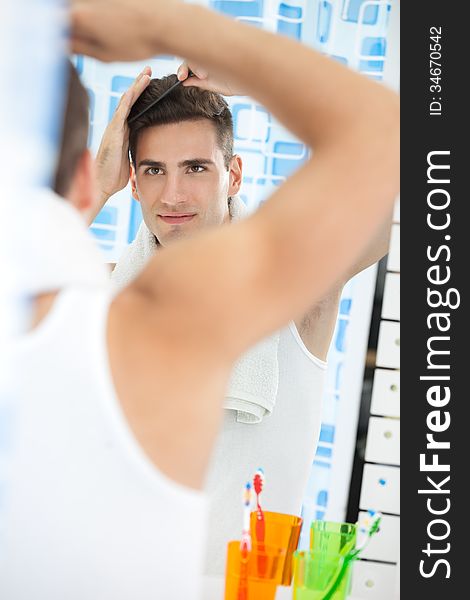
391,297
393,261
383,441
384,545
380,490
373,581
388,345
377,575
386,393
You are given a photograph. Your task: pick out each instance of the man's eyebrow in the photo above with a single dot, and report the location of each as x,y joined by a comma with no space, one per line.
192,162
146,162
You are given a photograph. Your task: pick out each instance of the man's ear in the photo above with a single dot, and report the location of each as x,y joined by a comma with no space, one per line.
82,191
235,175
132,177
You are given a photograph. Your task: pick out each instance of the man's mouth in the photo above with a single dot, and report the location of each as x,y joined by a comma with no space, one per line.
177,219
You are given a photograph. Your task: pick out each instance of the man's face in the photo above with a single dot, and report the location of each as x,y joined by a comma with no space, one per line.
180,179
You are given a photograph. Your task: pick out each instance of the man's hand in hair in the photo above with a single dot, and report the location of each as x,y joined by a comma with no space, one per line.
112,159
204,80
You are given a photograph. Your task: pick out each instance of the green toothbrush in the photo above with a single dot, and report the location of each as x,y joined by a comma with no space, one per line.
352,555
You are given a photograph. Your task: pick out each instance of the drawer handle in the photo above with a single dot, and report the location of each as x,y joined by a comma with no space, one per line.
394,387
397,341
369,583
388,434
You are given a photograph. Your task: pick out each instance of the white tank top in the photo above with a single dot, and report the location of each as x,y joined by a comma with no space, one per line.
88,516
283,444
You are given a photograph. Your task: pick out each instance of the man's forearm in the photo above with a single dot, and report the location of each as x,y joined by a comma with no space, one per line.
102,199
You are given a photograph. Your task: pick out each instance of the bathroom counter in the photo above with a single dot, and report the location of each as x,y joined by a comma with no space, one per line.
213,589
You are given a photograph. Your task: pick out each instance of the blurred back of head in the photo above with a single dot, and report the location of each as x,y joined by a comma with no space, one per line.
74,132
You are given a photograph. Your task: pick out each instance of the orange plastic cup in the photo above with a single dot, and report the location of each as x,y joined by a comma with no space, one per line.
243,578
282,531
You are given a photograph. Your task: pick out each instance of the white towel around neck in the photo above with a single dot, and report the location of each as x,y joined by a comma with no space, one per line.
253,385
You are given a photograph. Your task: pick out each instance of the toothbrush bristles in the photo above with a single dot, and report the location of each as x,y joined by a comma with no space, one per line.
247,494
258,481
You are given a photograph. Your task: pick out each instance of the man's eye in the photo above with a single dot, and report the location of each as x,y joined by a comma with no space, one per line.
196,169
153,171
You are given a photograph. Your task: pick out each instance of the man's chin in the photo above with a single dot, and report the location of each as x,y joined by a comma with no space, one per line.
180,232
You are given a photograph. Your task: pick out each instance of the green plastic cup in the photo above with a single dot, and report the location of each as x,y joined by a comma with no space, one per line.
315,572
332,537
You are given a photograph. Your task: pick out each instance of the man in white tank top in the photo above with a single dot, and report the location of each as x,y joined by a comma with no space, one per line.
162,144
119,399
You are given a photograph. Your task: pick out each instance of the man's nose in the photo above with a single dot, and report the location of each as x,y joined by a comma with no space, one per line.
174,192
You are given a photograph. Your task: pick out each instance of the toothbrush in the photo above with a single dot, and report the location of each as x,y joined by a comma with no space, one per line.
354,553
245,544
258,483
368,531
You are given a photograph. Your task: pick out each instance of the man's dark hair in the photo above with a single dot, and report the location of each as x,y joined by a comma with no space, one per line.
182,104
74,132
